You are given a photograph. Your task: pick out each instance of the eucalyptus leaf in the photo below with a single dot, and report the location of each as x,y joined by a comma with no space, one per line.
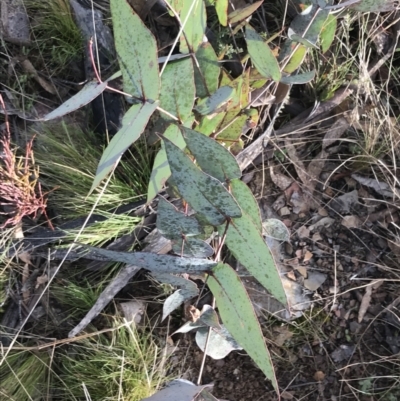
375,6
176,5
221,6
187,291
209,317
192,247
242,13
237,314
216,101
220,343
299,79
194,19
177,390
161,171
89,92
292,55
205,194
247,245
233,130
212,157
306,27
208,70
208,126
133,124
137,52
245,199
261,55
177,89
173,224
189,326
151,261
276,229
327,34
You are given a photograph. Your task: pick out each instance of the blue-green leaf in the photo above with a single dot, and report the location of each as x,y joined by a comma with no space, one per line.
173,224
237,314
89,92
161,171
133,124
188,289
221,7
306,27
216,101
194,19
299,79
212,157
206,76
137,52
192,247
261,55
177,89
245,199
151,261
220,342
205,194
247,245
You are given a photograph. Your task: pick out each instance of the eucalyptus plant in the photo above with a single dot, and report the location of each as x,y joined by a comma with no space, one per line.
204,113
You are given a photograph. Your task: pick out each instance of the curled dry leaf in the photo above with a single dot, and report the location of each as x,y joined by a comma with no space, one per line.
351,222
365,302
382,188
133,311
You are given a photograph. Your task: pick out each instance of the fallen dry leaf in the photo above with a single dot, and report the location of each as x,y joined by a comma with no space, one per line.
282,334
302,270
365,302
287,395
307,256
380,187
324,222
351,222
335,132
319,376
30,69
41,280
344,203
282,181
133,311
314,280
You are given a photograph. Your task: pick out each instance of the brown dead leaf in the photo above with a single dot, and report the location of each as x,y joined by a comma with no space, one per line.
287,395
43,279
282,181
302,270
282,334
307,256
30,69
351,222
303,232
192,314
291,275
133,311
365,302
319,376
335,132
